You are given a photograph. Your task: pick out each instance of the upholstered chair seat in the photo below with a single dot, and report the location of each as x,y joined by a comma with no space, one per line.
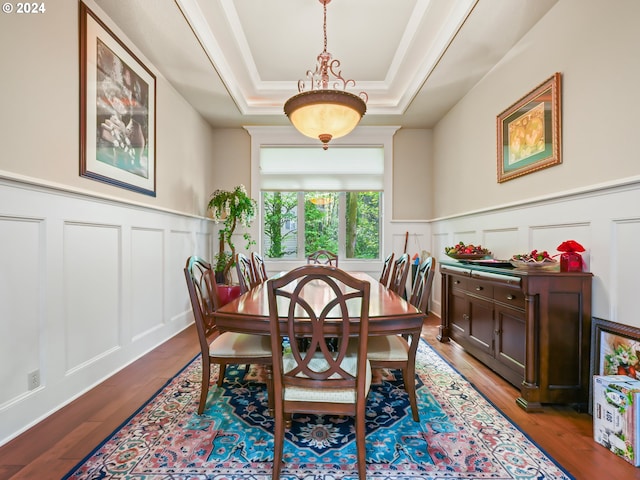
231,344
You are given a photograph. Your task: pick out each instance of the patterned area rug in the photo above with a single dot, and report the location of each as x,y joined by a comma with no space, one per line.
460,434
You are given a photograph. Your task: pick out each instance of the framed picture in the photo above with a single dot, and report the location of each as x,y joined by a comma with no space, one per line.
529,132
117,110
615,350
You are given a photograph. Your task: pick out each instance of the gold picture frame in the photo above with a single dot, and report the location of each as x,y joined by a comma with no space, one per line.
117,110
529,132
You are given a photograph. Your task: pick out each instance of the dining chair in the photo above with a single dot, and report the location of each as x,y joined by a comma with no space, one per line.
323,257
216,347
316,380
259,269
386,269
398,282
244,269
398,351
421,291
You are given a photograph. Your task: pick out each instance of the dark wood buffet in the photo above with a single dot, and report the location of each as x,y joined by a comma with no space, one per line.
532,327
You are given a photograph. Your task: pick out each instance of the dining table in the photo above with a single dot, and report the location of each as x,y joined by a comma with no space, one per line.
389,314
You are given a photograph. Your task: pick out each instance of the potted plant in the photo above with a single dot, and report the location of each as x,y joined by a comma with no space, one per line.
232,208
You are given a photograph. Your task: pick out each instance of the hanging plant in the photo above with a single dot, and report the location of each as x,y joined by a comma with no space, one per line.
232,208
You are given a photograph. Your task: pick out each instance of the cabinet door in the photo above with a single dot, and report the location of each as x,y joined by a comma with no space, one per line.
481,329
510,340
458,315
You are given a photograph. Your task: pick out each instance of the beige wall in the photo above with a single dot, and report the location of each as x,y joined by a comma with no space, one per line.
40,115
231,158
594,44
412,174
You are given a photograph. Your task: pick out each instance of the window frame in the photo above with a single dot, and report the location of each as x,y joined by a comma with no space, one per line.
283,136
342,226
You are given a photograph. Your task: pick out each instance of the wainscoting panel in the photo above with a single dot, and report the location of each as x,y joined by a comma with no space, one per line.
182,245
439,242
21,274
500,240
92,292
552,235
624,264
147,281
88,284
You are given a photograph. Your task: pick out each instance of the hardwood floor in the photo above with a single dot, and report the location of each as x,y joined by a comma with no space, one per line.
53,447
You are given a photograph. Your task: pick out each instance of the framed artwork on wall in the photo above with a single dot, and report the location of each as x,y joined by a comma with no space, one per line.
117,110
529,132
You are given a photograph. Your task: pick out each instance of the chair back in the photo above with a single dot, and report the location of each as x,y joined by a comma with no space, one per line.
398,282
245,272
323,257
386,269
259,269
421,291
203,293
298,313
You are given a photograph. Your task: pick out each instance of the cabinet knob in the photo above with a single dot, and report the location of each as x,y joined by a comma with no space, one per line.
479,288
456,282
511,297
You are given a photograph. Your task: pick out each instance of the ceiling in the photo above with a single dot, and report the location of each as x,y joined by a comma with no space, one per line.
237,61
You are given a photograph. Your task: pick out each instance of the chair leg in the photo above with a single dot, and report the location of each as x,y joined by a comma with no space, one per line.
409,379
269,370
278,442
204,387
221,372
287,421
360,446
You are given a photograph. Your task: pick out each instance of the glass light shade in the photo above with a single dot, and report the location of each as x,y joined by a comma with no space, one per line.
325,114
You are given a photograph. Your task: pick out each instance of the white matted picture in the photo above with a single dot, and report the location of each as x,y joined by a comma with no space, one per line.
117,110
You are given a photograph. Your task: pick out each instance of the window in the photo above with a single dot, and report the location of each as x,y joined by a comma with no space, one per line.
296,224
314,199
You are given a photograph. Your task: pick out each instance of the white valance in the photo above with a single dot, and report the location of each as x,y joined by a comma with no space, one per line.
314,169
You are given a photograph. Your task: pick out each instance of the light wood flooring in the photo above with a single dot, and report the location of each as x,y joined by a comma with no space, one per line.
51,448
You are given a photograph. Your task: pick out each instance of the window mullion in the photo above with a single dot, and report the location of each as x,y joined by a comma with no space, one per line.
301,226
342,225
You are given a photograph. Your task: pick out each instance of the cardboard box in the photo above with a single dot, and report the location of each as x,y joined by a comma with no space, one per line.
616,415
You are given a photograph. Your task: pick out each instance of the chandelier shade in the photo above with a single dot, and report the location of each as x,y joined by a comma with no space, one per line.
325,114
322,112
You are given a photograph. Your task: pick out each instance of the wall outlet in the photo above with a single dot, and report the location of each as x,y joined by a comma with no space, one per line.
33,379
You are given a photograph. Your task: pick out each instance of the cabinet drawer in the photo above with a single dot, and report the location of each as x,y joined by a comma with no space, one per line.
480,288
509,296
459,283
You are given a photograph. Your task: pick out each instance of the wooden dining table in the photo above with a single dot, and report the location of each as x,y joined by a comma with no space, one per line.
389,314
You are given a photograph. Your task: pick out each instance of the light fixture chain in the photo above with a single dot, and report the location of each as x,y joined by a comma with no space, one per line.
326,110
324,26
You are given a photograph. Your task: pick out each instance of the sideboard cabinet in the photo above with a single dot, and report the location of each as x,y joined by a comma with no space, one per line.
532,327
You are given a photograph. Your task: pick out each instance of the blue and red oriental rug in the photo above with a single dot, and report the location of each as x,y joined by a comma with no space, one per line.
460,434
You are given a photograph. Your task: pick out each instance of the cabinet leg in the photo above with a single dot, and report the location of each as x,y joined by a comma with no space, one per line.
443,334
529,406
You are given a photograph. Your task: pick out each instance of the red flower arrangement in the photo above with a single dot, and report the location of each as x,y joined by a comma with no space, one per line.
570,246
570,259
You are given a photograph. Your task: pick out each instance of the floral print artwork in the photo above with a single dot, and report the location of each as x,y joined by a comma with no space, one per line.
620,354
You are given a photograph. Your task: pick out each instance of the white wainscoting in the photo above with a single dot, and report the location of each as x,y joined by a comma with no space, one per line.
605,219
87,285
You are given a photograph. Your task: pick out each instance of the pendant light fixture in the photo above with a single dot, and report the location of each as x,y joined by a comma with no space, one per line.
323,108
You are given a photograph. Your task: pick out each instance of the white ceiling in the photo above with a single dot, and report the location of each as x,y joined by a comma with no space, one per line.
237,61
